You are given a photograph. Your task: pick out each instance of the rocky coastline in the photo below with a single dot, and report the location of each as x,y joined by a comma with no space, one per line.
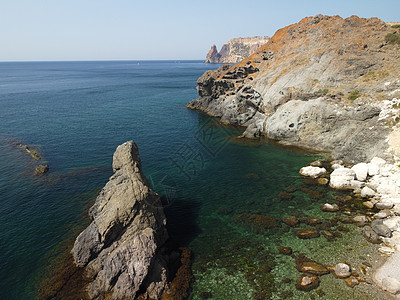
331,85
319,84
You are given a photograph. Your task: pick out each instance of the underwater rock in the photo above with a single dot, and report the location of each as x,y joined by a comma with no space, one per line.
41,169
329,207
328,235
351,281
313,268
371,236
307,233
285,196
285,250
259,223
311,221
290,221
342,270
307,282
316,163
322,181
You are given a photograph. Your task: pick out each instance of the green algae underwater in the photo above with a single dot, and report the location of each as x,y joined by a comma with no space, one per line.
224,197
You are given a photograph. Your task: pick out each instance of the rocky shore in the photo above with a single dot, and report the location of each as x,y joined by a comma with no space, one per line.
319,84
331,85
376,186
125,251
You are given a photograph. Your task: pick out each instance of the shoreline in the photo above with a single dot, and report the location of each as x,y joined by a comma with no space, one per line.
382,227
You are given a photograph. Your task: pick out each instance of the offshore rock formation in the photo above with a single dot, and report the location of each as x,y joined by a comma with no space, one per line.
235,50
121,249
318,84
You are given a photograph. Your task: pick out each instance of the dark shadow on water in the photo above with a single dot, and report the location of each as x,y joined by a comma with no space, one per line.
182,220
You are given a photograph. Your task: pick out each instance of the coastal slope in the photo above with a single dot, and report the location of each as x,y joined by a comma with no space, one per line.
318,84
121,250
235,50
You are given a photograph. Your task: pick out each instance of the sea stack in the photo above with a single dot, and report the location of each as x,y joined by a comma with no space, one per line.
121,249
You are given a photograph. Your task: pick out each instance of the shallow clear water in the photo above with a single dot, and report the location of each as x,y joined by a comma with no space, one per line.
76,113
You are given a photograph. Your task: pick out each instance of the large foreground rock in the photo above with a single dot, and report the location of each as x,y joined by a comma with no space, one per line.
120,249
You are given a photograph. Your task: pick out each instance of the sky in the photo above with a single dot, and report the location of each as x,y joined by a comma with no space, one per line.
34,30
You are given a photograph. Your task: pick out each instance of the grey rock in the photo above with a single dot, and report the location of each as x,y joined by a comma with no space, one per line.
380,228
392,285
122,243
384,205
342,270
367,192
371,235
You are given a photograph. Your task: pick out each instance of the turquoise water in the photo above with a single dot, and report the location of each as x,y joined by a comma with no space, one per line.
76,113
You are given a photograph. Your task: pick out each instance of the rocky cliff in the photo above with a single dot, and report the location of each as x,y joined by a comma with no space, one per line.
122,250
319,84
235,50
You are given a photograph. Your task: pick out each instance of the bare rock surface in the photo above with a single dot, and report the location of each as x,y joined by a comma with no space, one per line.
235,50
317,84
120,249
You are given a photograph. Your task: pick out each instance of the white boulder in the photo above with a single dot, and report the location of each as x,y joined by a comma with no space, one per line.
342,178
313,172
367,192
361,170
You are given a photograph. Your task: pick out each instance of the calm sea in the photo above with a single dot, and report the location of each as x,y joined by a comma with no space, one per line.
77,113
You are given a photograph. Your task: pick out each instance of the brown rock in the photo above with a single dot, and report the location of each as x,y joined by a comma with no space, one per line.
291,221
351,281
311,221
307,233
41,169
285,196
307,282
313,268
285,250
328,235
322,181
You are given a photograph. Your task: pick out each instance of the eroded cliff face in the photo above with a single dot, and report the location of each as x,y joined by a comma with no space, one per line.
122,248
317,84
235,50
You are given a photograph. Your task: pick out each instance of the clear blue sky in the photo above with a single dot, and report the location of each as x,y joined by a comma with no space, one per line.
154,29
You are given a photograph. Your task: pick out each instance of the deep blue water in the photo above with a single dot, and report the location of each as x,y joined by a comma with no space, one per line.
77,113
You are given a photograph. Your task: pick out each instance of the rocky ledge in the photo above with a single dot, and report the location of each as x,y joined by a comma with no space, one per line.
376,186
320,84
124,250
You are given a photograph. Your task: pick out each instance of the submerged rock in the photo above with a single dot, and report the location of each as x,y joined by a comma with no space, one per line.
307,233
307,282
120,249
291,221
380,228
41,169
313,268
329,207
342,270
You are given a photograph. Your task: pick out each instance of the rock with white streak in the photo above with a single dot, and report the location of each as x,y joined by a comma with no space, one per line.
361,171
313,172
